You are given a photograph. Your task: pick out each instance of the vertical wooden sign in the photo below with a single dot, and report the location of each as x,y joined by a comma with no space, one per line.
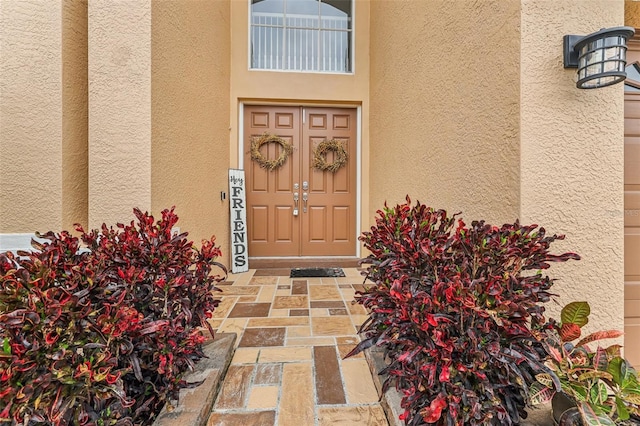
238,217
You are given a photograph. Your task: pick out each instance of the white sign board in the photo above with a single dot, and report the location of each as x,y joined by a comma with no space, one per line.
238,210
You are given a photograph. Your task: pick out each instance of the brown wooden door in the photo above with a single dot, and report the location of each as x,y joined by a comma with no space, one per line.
632,205
325,224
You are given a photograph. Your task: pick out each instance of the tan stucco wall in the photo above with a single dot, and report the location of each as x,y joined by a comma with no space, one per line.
119,109
572,154
444,105
190,107
74,114
295,88
30,116
632,13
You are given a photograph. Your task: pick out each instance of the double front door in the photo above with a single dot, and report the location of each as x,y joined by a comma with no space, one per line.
297,209
632,205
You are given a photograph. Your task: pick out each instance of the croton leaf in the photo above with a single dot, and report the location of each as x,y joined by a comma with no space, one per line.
539,393
600,335
570,331
576,313
590,418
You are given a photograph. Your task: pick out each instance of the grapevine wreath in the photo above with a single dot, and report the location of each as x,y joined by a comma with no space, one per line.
263,162
320,156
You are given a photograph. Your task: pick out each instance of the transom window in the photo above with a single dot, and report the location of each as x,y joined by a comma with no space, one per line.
302,35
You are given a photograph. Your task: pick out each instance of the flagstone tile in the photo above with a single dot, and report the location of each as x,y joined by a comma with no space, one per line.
247,299
299,287
314,281
332,326
283,292
263,281
259,337
299,313
279,313
326,304
245,356
252,418
324,292
319,312
358,320
286,354
250,310
284,287
338,311
290,302
358,391
327,376
346,344
363,415
263,397
239,290
278,322
266,294
234,325
294,332
235,387
272,272
226,304
310,341
296,402
356,309
268,374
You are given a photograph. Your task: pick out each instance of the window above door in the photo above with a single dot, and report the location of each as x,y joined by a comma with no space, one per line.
302,35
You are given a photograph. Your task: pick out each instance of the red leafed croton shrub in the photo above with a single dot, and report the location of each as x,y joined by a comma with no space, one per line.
458,312
102,332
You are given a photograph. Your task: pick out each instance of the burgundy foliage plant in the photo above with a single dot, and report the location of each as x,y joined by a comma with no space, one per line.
101,333
458,312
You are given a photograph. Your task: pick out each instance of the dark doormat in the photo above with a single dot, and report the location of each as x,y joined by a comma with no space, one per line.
316,273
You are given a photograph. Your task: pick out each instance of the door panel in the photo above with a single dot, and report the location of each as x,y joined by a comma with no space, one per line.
273,230
323,234
632,212
327,227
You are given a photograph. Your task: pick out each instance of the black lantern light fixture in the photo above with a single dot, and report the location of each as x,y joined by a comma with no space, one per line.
600,57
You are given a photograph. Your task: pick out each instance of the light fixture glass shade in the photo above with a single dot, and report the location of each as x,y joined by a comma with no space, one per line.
602,57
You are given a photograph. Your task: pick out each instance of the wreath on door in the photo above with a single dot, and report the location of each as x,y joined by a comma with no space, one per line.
320,156
263,162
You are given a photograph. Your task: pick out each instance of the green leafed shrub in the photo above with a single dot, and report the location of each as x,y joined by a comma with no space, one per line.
458,311
103,333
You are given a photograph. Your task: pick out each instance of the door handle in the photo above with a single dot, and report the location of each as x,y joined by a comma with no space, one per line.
304,201
295,204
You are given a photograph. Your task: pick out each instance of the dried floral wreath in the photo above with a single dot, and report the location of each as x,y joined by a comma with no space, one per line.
320,156
263,162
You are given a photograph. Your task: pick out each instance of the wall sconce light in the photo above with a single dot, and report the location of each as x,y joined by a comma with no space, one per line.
600,57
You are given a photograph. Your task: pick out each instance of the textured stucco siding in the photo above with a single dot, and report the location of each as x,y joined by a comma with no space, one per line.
632,14
445,105
119,109
572,155
30,116
190,121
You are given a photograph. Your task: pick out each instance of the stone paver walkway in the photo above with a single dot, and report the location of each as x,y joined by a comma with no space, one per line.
288,367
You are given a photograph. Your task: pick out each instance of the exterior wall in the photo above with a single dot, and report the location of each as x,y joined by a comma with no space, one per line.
74,114
572,155
632,14
297,88
444,106
189,112
119,109
30,116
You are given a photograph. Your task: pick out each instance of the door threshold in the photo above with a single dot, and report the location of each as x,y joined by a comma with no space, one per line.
303,262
